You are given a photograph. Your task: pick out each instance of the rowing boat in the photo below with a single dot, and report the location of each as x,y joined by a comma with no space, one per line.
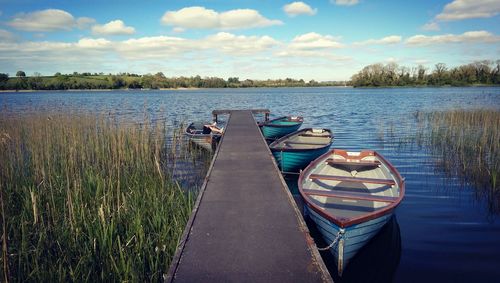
279,127
295,151
205,135
350,196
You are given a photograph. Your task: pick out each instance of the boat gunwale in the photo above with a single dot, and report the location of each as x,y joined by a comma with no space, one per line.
346,222
269,123
273,146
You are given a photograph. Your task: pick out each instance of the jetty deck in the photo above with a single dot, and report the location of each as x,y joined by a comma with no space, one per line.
245,226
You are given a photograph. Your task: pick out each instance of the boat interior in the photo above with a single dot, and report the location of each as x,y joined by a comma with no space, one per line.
349,188
287,120
308,139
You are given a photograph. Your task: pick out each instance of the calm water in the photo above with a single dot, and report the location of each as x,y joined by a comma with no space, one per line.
443,230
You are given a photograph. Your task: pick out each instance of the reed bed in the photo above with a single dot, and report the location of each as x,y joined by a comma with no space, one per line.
468,144
86,198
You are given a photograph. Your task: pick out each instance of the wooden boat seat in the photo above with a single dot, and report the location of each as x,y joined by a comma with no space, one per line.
315,135
350,195
352,179
332,161
306,143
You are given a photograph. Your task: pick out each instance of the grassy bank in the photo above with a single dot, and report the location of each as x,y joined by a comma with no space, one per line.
468,144
87,199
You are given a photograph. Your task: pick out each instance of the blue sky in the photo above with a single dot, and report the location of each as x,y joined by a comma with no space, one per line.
320,40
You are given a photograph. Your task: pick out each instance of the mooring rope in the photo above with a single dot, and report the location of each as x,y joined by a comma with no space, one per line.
337,238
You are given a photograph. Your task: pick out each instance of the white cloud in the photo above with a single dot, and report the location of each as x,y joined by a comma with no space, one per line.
345,2
431,26
469,9
192,17
299,8
202,18
47,20
239,44
392,39
91,43
154,47
391,60
84,22
116,27
138,49
467,37
178,30
312,40
313,45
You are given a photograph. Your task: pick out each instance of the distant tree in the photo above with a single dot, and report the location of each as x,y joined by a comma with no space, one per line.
421,74
117,82
234,80
439,74
4,77
160,75
20,74
57,74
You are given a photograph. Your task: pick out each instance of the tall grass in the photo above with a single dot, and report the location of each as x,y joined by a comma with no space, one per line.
86,198
468,143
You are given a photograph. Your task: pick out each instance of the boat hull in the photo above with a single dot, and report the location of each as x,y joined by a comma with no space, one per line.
351,193
295,160
278,131
279,127
353,238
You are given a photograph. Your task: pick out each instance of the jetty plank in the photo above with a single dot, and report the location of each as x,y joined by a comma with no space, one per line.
245,227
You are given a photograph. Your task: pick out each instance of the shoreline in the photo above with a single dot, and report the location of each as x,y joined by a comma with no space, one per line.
199,88
95,89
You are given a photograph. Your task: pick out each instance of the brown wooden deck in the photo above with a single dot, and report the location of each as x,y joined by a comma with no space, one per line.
245,226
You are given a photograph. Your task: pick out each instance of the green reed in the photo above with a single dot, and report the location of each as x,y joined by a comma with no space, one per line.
468,143
86,198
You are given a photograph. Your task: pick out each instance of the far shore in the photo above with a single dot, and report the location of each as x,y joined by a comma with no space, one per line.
96,89
198,88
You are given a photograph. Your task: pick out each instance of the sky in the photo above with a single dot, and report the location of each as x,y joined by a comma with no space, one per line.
327,40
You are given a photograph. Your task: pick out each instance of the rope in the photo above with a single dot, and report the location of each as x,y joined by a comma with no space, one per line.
337,238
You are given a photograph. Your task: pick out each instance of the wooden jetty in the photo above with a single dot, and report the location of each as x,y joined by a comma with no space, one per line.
245,226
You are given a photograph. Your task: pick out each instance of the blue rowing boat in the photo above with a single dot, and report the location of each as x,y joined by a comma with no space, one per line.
295,151
276,128
350,196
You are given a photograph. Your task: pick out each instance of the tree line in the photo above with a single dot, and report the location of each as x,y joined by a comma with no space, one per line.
477,73
134,81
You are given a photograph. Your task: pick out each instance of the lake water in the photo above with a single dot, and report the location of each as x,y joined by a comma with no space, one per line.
443,231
